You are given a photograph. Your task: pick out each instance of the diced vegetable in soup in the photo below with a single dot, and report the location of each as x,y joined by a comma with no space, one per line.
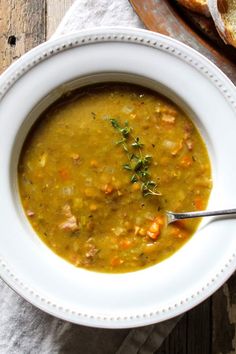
100,168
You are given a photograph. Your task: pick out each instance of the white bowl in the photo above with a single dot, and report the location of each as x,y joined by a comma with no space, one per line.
198,268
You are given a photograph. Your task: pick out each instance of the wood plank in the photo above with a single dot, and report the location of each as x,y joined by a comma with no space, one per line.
192,335
199,329
176,343
55,11
224,318
22,27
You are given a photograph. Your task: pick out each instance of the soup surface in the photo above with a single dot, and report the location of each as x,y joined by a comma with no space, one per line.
99,169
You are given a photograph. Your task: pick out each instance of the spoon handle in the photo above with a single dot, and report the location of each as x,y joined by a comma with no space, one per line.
171,217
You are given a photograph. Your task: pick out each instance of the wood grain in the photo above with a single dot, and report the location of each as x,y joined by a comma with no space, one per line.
199,329
210,327
160,16
22,27
176,343
224,318
192,335
55,11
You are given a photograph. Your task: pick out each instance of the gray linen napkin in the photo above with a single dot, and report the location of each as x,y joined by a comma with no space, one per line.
25,329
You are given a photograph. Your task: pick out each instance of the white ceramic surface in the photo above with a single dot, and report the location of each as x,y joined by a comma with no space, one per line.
172,286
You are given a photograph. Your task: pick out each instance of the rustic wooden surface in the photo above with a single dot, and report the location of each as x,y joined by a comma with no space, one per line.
210,327
55,11
161,16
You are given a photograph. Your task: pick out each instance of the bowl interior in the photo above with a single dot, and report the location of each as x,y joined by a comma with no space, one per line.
82,82
202,91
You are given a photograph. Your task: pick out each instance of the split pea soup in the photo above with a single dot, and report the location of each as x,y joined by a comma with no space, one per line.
99,169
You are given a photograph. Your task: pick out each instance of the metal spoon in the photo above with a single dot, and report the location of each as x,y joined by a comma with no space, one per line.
172,217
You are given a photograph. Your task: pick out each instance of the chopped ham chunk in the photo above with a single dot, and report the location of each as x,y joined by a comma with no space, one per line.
70,223
92,252
67,210
188,128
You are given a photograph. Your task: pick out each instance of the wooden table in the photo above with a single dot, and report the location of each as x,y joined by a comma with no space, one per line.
208,328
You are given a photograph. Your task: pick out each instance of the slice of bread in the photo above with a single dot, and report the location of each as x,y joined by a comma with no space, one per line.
223,13
199,6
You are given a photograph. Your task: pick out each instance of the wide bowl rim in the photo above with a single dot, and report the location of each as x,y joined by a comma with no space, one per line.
143,37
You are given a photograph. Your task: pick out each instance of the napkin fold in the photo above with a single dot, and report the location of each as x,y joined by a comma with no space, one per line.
26,329
96,13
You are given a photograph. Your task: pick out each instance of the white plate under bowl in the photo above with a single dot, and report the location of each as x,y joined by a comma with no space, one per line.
198,268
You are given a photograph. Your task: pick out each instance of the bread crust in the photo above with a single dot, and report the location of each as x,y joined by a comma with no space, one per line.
225,30
196,6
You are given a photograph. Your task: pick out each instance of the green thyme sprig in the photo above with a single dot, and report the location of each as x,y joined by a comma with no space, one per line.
137,164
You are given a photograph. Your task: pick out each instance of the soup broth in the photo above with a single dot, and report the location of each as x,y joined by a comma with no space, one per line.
99,169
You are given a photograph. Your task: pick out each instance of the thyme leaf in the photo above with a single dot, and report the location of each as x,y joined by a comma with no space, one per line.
138,164
137,143
127,167
115,123
134,179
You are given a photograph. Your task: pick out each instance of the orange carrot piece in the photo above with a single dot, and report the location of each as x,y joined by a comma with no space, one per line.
136,187
186,161
154,231
64,174
108,189
153,235
160,219
125,244
116,261
155,228
198,202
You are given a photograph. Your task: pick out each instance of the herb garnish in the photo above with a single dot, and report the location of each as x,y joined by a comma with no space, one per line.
137,163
